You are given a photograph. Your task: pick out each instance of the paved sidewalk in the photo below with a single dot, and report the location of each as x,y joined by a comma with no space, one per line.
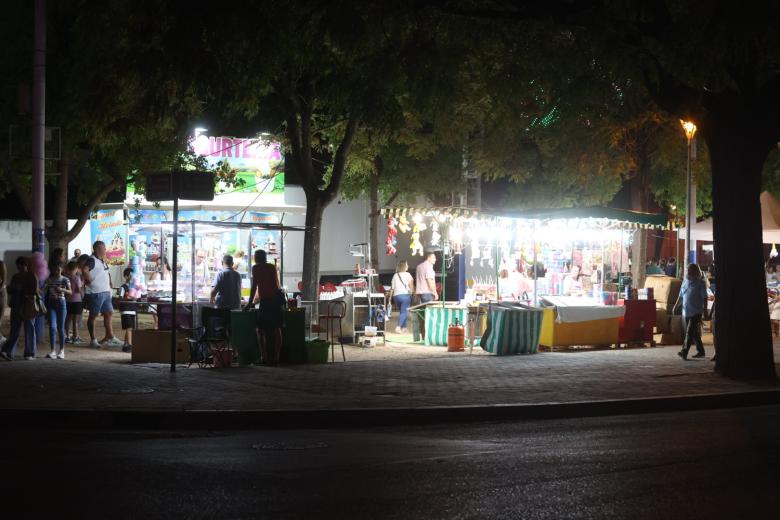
105,380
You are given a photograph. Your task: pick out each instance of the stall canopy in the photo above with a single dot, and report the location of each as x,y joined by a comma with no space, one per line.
770,222
612,217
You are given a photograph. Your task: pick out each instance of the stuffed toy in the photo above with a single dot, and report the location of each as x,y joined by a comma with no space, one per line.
416,245
435,235
456,239
137,282
475,251
403,224
391,241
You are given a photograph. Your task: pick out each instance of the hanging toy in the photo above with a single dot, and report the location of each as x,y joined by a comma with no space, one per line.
137,282
403,224
475,253
435,235
456,239
487,255
390,241
416,245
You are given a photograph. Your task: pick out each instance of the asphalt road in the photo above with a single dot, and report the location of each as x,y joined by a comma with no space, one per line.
713,464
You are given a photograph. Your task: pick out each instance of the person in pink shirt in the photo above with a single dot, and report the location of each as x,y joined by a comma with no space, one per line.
425,286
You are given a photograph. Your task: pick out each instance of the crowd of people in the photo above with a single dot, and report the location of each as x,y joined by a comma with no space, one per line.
60,290
662,266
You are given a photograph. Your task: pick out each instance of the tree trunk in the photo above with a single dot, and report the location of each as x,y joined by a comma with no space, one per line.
373,220
315,208
743,338
640,201
57,231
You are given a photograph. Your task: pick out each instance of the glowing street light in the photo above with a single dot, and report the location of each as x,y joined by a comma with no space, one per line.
689,127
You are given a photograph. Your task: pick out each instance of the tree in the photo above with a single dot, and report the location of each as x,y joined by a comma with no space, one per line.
340,77
122,107
714,63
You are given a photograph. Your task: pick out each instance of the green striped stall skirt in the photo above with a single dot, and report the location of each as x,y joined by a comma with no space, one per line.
512,330
437,321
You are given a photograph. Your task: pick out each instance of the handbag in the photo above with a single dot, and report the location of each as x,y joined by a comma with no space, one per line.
32,307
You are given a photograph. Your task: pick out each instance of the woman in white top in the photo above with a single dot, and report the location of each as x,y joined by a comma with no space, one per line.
401,291
571,284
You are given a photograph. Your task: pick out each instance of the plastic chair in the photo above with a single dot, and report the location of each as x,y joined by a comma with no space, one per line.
335,312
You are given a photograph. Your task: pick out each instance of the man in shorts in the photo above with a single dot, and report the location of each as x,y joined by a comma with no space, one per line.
97,296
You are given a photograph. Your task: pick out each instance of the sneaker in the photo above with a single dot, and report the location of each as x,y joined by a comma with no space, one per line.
112,342
6,356
69,340
51,355
698,354
127,348
683,355
398,330
75,340
29,358
94,344
61,354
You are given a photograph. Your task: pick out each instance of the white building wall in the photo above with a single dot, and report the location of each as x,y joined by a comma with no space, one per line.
344,222
16,239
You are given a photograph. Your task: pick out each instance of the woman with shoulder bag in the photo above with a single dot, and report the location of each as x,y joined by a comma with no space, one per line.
25,303
401,291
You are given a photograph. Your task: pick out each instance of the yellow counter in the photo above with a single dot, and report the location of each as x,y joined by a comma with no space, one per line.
596,332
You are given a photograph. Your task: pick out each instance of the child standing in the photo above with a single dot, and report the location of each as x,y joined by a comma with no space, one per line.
74,302
127,308
55,288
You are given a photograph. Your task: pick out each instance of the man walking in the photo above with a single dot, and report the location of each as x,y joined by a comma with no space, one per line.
97,297
425,286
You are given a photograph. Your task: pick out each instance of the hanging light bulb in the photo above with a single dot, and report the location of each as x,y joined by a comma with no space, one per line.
773,252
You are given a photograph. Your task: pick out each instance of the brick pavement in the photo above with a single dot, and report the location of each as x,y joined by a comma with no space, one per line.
408,376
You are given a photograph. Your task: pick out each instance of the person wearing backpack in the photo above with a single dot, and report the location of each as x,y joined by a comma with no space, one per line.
23,285
401,291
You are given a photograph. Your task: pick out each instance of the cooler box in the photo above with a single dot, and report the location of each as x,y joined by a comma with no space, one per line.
512,331
154,346
243,336
594,332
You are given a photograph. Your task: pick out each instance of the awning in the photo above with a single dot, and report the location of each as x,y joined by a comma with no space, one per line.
614,217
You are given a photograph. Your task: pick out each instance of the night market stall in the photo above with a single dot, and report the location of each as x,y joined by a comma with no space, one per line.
573,263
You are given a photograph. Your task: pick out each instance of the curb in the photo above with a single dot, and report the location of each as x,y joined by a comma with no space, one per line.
366,418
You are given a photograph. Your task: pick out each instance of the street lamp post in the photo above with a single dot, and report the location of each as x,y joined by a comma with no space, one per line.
690,205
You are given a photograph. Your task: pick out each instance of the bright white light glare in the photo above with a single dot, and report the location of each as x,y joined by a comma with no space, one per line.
199,130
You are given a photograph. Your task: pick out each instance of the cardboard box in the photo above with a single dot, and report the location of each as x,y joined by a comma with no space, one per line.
154,346
665,291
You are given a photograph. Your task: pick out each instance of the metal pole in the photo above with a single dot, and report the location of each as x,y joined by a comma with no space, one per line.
620,262
281,254
192,268
443,275
39,125
688,210
175,254
533,270
498,293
